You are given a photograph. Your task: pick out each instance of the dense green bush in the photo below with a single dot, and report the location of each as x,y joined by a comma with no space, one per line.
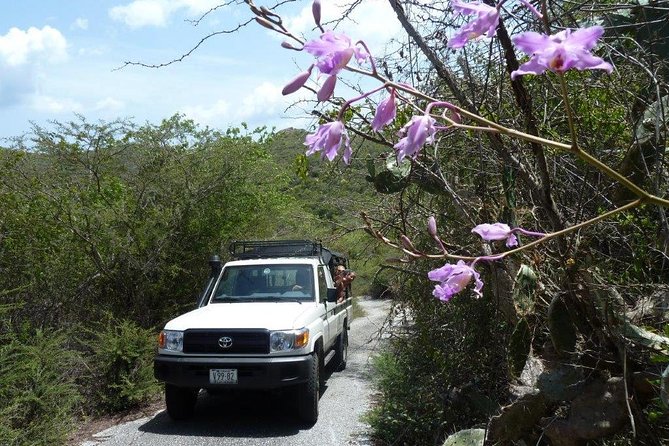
115,222
120,365
442,376
37,391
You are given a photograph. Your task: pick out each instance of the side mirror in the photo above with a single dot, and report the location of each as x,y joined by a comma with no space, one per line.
332,295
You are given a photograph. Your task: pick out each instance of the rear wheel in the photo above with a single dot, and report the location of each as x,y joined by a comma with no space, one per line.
180,401
309,392
341,354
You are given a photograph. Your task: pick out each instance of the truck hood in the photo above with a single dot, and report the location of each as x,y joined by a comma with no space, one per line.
267,315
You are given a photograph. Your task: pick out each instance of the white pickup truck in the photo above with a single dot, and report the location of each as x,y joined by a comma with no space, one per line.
267,319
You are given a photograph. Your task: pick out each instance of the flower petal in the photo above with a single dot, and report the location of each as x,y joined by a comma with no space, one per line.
385,112
511,241
586,37
532,66
471,8
531,42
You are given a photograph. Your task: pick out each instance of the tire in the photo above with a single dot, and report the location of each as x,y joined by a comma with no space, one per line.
309,393
180,401
341,354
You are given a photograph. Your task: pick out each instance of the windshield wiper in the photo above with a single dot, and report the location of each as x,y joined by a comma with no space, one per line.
234,299
282,299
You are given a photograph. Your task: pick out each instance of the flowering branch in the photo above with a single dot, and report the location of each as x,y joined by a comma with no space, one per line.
558,53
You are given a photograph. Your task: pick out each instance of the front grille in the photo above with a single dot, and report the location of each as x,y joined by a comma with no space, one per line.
243,341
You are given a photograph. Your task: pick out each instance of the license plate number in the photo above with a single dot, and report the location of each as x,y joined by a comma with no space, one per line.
222,376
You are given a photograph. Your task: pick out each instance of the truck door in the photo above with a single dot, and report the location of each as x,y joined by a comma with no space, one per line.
328,306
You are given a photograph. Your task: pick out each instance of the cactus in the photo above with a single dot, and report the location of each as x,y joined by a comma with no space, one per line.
561,328
467,437
664,386
525,287
519,347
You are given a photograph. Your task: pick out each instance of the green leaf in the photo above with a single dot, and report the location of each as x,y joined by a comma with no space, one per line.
519,346
388,183
560,326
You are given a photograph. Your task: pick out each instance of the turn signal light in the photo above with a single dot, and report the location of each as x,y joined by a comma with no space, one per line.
301,339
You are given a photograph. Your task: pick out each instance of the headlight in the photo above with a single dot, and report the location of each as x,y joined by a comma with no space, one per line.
280,341
171,340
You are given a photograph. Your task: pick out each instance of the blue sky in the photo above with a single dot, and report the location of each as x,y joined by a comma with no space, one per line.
58,58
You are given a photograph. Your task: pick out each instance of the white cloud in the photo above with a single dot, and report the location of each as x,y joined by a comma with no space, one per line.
18,47
265,99
80,23
141,13
199,6
109,105
212,114
50,104
91,52
264,102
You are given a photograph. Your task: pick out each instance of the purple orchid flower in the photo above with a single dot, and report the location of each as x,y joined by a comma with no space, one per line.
328,139
419,130
385,112
496,231
334,51
486,21
560,52
453,279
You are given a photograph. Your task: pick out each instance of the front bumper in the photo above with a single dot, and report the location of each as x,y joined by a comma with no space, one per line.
252,373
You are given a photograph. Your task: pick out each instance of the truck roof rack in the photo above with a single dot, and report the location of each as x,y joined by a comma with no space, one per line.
252,249
256,249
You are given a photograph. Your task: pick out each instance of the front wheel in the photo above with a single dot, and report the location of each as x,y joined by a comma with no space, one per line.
180,401
309,392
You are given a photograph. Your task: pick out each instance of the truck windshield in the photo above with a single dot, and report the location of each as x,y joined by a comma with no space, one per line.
266,283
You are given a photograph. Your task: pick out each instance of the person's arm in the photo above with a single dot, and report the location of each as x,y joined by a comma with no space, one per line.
348,278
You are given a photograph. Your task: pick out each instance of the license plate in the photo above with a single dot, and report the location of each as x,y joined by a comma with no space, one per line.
222,376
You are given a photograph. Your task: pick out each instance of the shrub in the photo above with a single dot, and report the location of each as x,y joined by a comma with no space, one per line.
120,361
443,375
37,393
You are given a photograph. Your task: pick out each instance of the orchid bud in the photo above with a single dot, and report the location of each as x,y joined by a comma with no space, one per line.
267,13
287,45
406,242
432,227
297,82
316,11
266,23
327,88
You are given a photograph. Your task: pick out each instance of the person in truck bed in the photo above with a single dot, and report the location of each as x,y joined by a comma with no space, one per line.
342,279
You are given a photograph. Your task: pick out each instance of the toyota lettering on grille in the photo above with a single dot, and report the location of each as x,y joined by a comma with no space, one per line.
225,342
